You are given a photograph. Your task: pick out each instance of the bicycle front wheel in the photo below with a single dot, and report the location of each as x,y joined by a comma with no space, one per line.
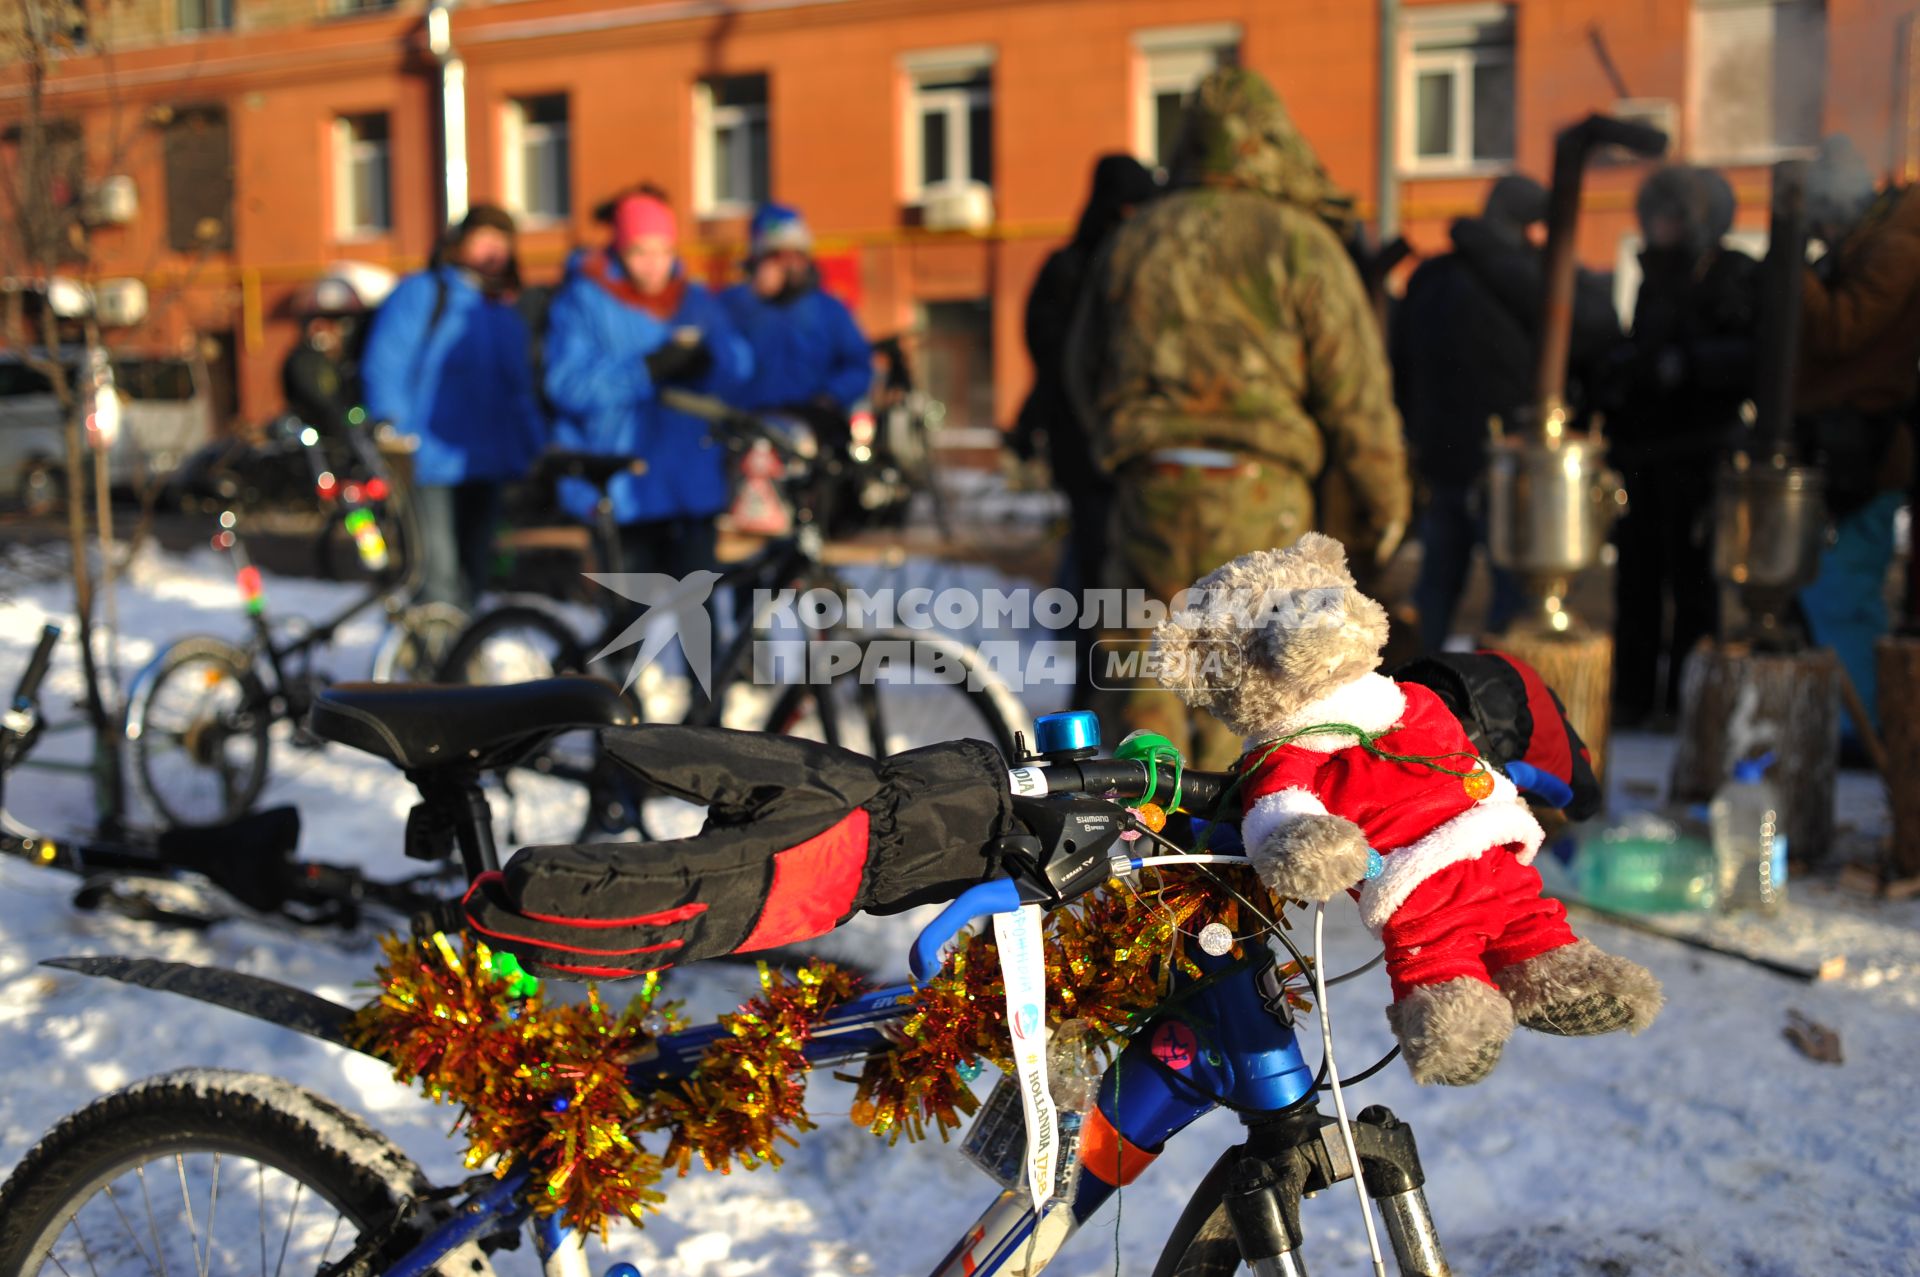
558,793
199,733
887,692
208,1172
416,645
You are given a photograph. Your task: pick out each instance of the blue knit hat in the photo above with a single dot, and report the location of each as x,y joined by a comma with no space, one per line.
776,226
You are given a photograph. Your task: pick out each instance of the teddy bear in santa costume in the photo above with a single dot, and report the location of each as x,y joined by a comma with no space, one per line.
1281,647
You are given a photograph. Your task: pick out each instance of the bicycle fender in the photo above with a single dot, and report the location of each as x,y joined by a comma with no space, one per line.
250,995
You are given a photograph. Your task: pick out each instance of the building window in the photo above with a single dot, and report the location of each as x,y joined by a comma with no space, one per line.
362,182
731,170
1170,62
199,165
539,176
1456,89
1756,79
949,125
204,15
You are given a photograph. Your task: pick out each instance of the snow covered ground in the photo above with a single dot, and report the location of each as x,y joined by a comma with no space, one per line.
1707,1146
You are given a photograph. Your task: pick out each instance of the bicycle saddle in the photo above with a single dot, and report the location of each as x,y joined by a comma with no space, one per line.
420,727
596,468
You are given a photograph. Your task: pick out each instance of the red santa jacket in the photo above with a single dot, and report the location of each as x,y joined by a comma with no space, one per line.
1419,818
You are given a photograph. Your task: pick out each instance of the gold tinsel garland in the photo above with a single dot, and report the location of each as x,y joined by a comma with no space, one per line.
548,1084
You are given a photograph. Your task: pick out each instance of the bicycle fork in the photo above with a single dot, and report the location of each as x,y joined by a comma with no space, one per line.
1263,1194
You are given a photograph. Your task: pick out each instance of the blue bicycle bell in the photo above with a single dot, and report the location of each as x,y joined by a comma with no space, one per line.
1071,734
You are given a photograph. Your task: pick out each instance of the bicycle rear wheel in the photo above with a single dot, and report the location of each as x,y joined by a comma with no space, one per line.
906,689
209,1172
199,732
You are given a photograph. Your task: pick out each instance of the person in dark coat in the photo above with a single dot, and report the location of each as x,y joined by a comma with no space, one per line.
1678,382
316,379
446,362
1464,343
1121,184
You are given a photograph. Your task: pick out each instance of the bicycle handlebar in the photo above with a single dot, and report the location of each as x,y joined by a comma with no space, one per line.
1200,792
29,689
734,420
1543,785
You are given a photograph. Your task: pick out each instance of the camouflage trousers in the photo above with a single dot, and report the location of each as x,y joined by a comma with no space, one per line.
1169,529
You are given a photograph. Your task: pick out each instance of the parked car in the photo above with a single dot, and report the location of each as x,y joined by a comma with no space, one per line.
166,414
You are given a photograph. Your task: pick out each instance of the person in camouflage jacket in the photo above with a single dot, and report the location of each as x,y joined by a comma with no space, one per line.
1228,361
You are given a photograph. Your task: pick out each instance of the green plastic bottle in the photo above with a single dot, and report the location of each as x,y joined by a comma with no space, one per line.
1646,865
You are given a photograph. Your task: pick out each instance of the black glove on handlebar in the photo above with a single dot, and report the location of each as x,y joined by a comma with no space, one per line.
798,837
677,362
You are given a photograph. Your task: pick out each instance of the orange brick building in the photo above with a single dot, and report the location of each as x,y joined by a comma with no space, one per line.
940,148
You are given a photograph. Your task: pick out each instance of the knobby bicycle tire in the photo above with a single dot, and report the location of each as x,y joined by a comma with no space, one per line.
997,712
274,1123
1202,1243
239,792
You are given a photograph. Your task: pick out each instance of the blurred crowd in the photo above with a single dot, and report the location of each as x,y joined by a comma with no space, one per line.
1212,374
483,377
1211,377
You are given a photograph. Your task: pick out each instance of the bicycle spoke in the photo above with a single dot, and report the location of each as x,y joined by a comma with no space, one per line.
260,1187
159,1251
213,1204
86,1253
299,1187
128,1225
180,1165
338,1220
57,1264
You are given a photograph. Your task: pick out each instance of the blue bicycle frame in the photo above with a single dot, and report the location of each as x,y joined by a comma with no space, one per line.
1226,1038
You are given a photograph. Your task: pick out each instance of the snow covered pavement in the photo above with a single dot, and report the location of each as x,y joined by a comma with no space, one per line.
1707,1146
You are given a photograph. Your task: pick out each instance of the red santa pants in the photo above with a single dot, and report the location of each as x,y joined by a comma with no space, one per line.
1471,919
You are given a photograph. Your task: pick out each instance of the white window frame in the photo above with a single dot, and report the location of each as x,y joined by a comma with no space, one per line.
1455,24
934,66
516,134
1769,152
347,152
1176,59
708,120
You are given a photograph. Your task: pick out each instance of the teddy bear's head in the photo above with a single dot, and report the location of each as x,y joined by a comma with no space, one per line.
1273,631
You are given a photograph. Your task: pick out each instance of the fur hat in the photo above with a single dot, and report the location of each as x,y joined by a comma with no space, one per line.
1255,641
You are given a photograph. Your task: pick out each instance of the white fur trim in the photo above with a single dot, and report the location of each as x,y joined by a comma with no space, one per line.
1272,812
1493,822
1372,702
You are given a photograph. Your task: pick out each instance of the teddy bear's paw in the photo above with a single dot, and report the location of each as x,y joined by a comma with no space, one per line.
1579,990
1312,857
1451,1033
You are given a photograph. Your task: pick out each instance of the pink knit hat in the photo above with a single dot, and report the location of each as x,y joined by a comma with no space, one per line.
637,216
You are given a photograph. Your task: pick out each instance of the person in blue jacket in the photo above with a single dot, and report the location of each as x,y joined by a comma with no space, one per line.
447,362
626,322
809,355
